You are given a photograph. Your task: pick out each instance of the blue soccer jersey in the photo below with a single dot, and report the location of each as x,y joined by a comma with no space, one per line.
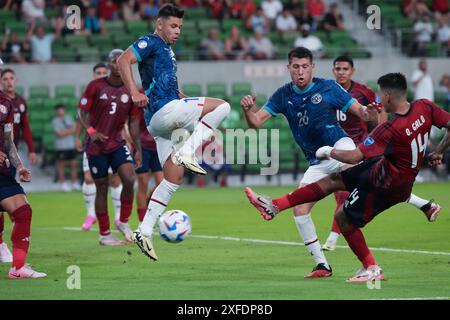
157,68
311,113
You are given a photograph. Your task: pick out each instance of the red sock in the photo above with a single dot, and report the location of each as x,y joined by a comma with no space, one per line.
2,226
126,206
141,213
357,243
340,197
20,236
103,223
310,193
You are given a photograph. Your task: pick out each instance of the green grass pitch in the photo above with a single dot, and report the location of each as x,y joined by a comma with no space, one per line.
221,268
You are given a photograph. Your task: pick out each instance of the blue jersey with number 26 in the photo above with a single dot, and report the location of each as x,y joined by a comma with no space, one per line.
311,113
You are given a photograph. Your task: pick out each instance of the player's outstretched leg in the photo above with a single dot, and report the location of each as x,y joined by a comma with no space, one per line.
214,112
262,203
5,254
429,208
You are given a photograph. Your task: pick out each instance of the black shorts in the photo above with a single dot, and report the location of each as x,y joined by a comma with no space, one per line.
65,155
9,187
364,202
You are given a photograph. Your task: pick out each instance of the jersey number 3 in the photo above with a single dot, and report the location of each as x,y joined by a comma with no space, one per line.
417,145
113,108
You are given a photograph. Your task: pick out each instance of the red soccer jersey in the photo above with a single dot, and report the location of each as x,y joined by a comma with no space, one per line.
147,141
6,117
402,141
109,108
21,124
353,125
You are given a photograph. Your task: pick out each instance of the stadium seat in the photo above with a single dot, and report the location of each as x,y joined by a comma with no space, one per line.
64,91
241,88
39,91
89,54
76,41
192,90
216,90
141,27
20,90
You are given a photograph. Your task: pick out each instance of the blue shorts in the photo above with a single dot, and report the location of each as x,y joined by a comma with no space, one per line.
150,161
100,164
9,187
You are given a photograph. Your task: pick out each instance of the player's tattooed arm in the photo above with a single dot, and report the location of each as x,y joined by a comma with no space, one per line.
13,156
133,126
435,158
366,113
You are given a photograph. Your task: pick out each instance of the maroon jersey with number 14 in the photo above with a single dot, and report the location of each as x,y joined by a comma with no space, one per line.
354,126
402,141
6,119
109,109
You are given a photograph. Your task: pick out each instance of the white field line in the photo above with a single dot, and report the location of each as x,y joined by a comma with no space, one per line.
288,243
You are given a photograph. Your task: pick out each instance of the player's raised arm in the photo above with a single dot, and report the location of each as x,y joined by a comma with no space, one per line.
366,113
254,116
124,62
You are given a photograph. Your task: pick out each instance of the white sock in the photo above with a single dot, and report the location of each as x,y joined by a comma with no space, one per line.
205,128
416,201
306,228
115,196
156,206
89,192
333,236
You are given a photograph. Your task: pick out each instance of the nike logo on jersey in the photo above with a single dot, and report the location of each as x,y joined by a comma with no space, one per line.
104,97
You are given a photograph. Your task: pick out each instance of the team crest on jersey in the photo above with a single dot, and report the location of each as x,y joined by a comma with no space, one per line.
142,44
317,98
3,109
22,108
368,141
124,98
83,101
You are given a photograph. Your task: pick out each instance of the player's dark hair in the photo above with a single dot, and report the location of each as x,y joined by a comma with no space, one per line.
59,106
344,59
300,52
5,71
394,83
169,10
99,65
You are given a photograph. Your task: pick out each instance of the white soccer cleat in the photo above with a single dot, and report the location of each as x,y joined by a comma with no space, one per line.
371,273
5,254
124,227
25,272
329,245
110,240
431,210
187,161
145,244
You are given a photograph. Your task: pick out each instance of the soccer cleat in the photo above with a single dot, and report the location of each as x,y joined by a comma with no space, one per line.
320,271
116,223
88,222
5,254
25,272
124,227
145,244
110,240
264,204
371,273
329,245
431,210
187,161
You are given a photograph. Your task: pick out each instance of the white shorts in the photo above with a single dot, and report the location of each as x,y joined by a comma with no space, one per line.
86,164
326,167
177,114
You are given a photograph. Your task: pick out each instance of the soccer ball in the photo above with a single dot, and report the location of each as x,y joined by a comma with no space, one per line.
174,226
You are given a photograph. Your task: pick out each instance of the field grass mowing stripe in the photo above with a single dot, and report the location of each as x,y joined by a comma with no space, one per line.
418,298
287,243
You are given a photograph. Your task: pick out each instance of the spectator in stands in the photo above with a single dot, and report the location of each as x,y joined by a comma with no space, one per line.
440,10
64,128
443,32
307,18
422,82
33,11
149,9
445,85
236,46
333,19
14,49
41,42
248,9
414,9
423,32
187,4
295,7
212,48
316,8
309,41
107,10
260,47
285,22
92,23
271,9
219,9
130,10
258,22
